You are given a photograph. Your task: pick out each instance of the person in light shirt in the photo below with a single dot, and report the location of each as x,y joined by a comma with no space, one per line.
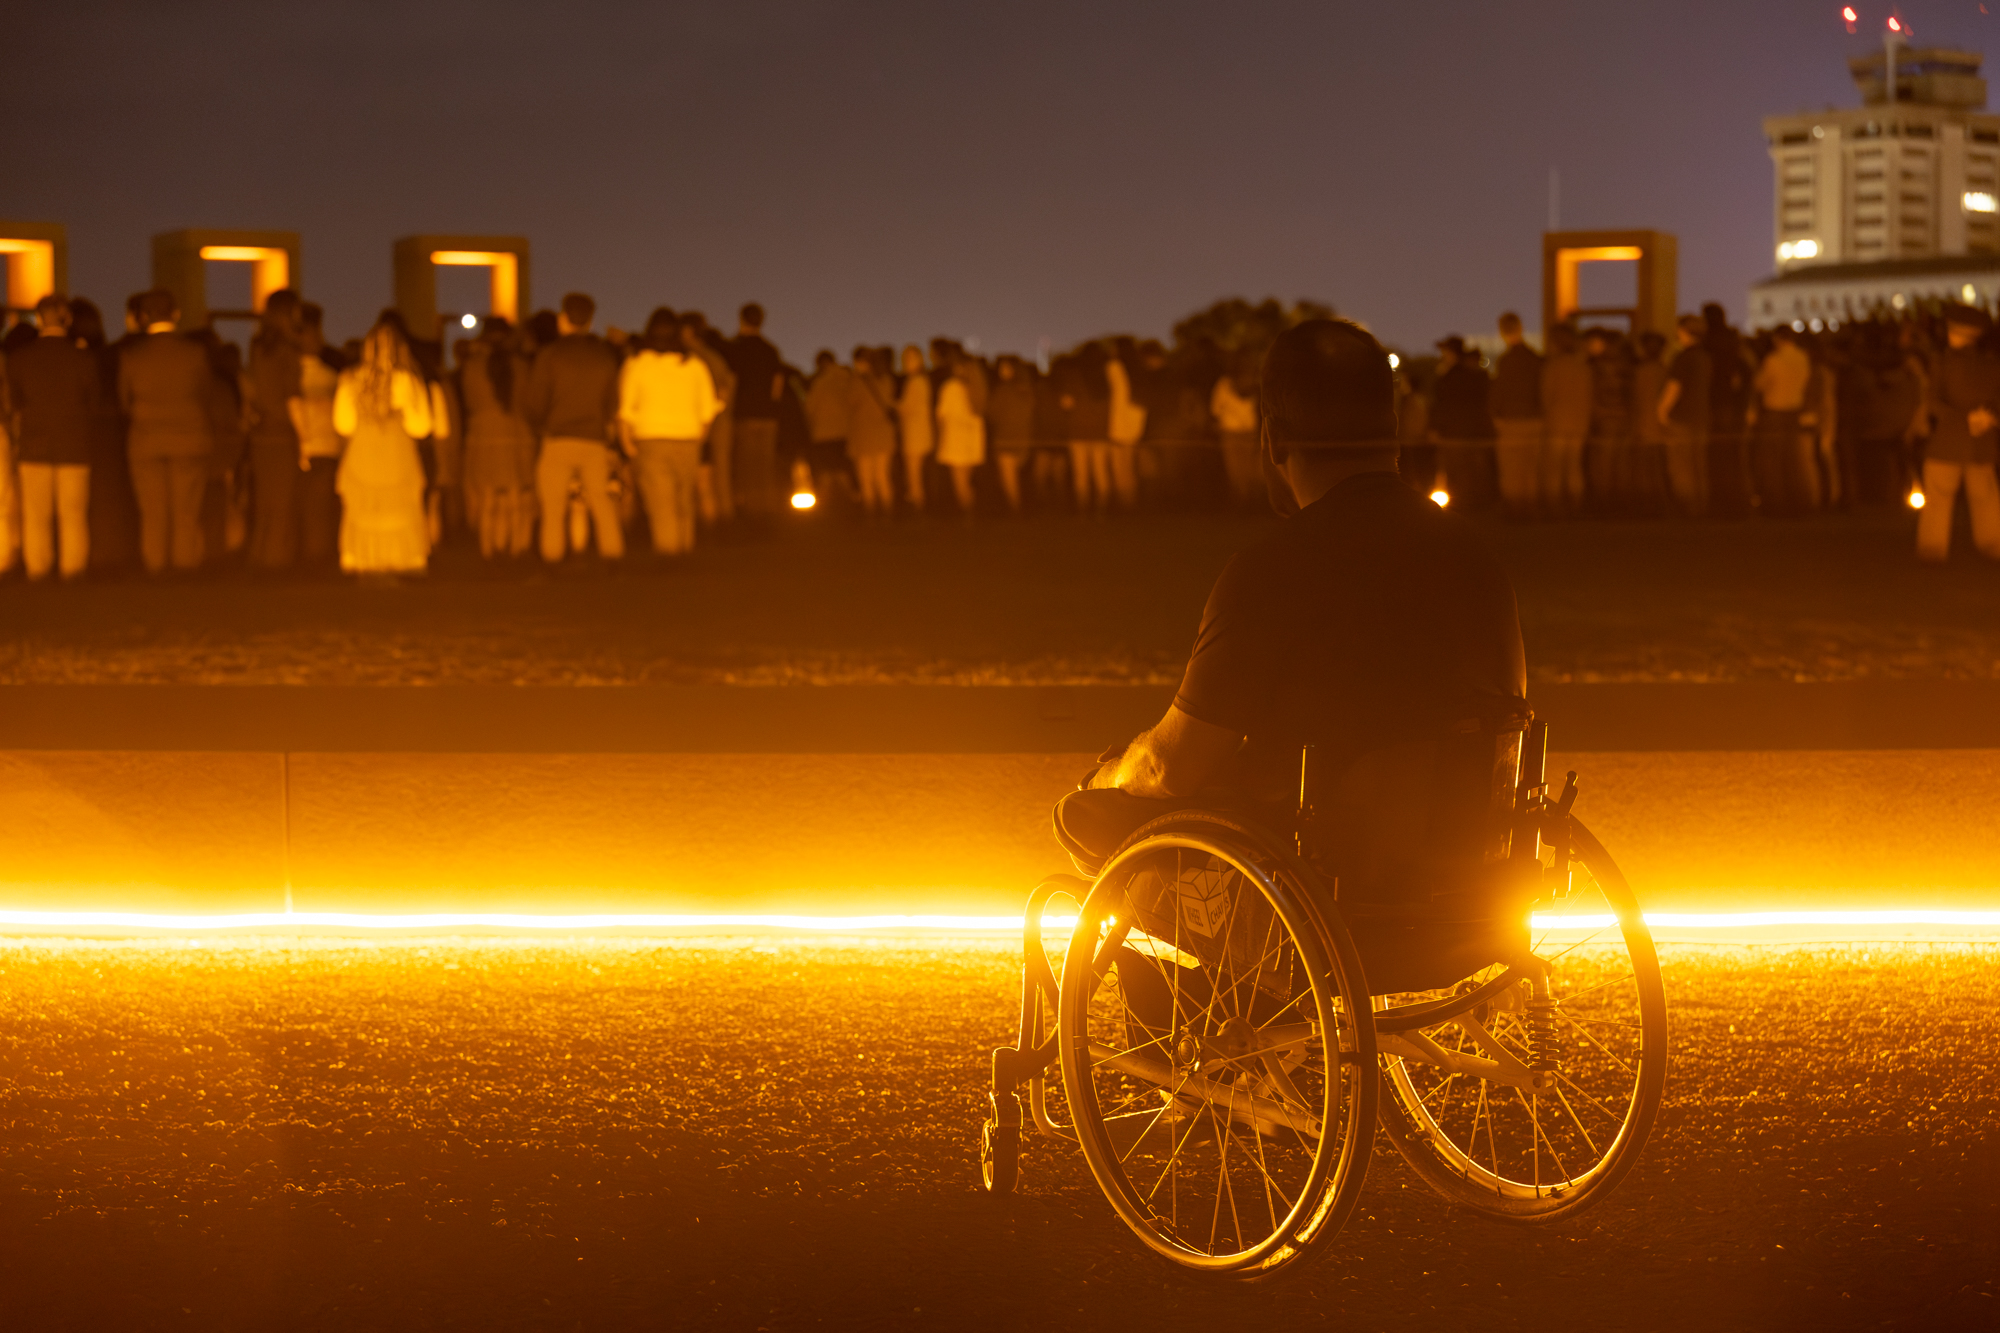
383,407
666,400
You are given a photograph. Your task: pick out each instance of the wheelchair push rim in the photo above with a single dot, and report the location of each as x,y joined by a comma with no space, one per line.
1221,1090
1581,1065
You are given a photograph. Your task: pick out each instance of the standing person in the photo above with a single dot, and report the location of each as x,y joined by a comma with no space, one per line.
499,445
383,407
1566,399
828,396
1780,388
54,390
273,382
871,432
713,491
1233,404
114,514
170,395
961,444
1086,403
1683,412
1964,409
1462,425
913,412
666,399
1517,419
1607,455
320,444
1011,414
571,403
1648,478
1891,423
1730,394
760,385
1818,459
1416,456
1128,423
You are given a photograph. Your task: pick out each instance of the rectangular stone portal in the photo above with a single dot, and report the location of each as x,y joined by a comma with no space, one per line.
37,261
417,259
179,259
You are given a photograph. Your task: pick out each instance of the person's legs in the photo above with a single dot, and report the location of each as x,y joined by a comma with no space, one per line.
10,506
150,487
593,469
38,516
721,452
1245,469
552,477
1079,473
1982,497
73,517
913,480
656,485
1010,478
1940,499
1517,455
274,475
1124,473
1100,472
187,491
319,514
755,468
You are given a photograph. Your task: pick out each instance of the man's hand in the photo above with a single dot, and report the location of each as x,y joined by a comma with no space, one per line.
1980,420
1178,757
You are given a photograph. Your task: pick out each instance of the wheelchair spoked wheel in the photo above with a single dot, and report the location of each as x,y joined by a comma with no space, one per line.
1562,1086
1220,1087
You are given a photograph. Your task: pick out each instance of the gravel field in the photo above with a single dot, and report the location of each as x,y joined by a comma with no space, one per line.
1052,600
781,1134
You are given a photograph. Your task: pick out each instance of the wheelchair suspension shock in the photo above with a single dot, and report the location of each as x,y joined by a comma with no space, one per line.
1545,1049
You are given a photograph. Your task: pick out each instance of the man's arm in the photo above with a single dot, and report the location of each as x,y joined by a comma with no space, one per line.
1178,757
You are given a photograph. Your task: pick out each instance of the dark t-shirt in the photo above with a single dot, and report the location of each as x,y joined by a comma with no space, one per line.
1370,620
1690,370
56,391
756,364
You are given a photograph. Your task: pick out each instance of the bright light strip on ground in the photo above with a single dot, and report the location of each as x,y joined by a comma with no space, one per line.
418,921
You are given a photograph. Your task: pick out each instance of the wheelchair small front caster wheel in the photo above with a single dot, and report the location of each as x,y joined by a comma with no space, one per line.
1000,1157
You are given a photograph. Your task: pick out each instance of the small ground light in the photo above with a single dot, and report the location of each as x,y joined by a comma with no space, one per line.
468,321
804,500
1915,499
1441,498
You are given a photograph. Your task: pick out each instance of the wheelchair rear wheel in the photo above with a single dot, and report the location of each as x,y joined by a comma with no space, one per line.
1220,1086
1534,1104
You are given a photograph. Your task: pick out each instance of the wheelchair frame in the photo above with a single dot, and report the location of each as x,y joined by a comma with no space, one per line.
1543,831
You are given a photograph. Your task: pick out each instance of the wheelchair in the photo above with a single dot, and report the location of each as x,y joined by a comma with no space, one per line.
1212,1043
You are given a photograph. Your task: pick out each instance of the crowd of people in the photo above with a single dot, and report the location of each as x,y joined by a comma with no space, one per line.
172,451
1866,414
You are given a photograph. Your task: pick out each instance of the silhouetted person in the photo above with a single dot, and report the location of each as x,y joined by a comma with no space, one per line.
275,461
666,399
168,389
1462,425
114,513
1370,624
572,404
1516,402
1965,423
56,391
760,385
1776,454
1566,402
320,445
1684,411
1729,414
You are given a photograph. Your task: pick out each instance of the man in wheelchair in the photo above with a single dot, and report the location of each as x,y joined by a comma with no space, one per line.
1372,634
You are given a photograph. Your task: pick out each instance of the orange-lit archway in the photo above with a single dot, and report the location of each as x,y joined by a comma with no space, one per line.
418,258
1564,253
37,261
181,259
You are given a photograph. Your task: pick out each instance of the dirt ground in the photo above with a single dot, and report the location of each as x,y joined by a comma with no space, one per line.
781,1134
1047,600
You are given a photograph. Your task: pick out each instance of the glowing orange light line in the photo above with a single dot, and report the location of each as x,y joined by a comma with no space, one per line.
406,921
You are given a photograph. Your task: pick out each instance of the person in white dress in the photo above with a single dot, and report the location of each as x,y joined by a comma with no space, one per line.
961,434
913,413
383,407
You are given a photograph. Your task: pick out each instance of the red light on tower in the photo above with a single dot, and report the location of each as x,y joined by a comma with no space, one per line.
1895,24
1850,18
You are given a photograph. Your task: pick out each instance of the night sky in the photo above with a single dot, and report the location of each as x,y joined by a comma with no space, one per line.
889,171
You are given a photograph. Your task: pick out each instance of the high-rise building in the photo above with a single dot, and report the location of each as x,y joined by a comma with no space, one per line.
1885,204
